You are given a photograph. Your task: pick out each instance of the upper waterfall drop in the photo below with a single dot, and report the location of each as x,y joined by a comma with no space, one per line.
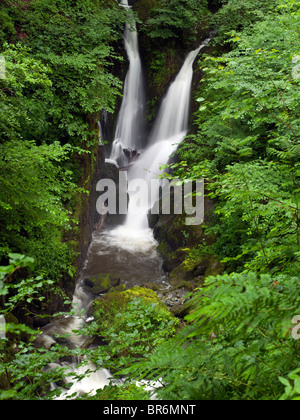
130,131
173,115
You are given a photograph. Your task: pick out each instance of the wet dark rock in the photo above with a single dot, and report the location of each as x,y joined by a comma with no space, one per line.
132,155
101,283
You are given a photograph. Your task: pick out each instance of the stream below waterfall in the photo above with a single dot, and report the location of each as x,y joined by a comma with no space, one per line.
130,250
129,254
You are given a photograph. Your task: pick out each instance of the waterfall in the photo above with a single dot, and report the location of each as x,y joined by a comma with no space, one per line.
169,131
130,250
130,131
174,112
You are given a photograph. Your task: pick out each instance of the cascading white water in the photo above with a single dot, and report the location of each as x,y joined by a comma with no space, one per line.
174,112
93,379
169,131
130,125
148,168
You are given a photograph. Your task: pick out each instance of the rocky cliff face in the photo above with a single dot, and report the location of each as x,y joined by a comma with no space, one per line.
186,262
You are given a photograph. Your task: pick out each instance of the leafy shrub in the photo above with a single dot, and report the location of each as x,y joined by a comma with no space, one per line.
181,19
238,343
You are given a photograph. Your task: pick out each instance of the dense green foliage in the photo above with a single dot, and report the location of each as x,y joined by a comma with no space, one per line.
169,30
75,40
58,77
135,332
238,344
238,15
178,19
25,371
58,58
246,146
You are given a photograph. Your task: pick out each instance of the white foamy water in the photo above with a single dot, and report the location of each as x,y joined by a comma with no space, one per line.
169,131
131,120
173,115
93,380
126,253
148,168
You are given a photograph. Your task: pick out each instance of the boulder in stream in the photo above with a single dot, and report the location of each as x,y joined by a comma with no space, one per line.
107,307
101,283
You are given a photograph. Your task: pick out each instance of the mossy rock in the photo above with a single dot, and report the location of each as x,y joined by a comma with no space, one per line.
170,257
153,286
174,236
177,276
195,271
180,275
208,266
119,288
102,283
214,269
170,228
108,306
